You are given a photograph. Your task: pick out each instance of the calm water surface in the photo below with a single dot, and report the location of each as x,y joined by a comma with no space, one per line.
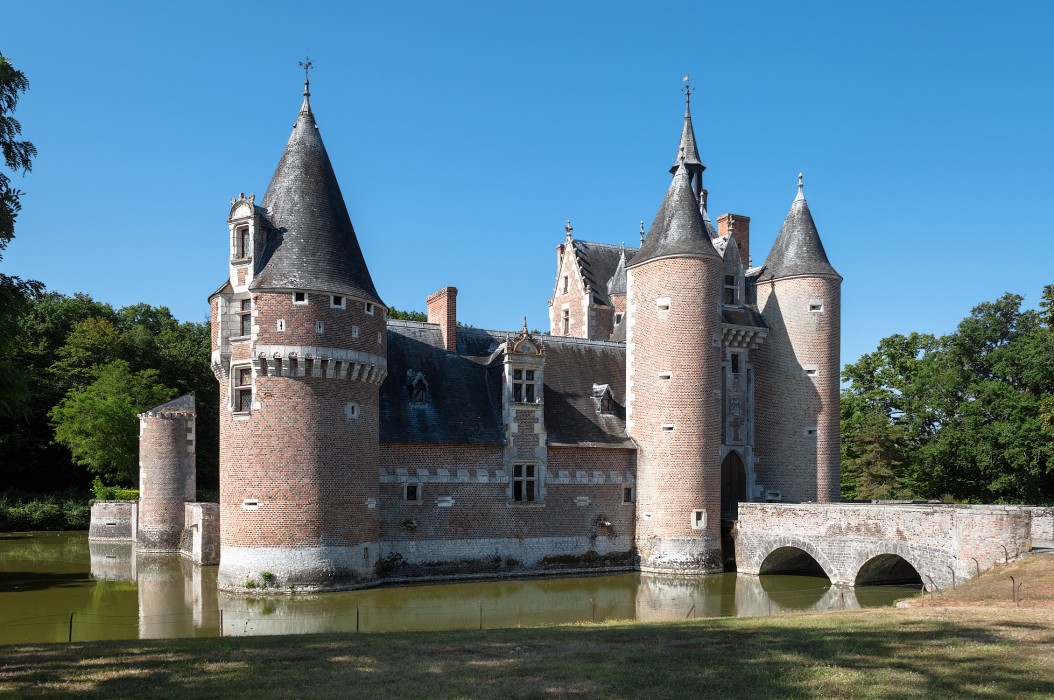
115,594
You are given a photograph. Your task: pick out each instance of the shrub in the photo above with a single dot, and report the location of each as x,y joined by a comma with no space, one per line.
112,493
66,512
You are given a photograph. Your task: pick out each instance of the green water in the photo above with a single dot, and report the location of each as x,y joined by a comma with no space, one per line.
115,594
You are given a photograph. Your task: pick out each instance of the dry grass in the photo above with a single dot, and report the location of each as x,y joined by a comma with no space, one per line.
930,652
994,588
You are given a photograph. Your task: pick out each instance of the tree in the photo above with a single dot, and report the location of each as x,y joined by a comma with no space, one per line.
407,315
99,425
18,155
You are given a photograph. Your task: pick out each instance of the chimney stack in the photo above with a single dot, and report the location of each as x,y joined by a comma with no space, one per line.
739,226
442,309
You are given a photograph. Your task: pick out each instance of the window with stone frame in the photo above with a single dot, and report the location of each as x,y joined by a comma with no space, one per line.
244,244
525,483
245,318
565,322
243,389
730,288
524,385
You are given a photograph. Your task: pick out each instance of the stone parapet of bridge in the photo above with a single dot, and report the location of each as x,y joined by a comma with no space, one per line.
861,543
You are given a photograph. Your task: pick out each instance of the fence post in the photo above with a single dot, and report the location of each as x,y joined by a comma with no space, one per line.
221,622
356,618
481,615
593,605
71,627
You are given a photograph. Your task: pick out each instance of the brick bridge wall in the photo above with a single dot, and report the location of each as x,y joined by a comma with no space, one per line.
935,539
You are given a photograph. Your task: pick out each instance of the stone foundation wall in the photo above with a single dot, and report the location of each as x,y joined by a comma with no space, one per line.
201,533
1042,522
115,521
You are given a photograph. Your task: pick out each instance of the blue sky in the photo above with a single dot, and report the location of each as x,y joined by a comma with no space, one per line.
464,134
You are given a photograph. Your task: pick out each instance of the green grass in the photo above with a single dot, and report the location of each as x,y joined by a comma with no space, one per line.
924,653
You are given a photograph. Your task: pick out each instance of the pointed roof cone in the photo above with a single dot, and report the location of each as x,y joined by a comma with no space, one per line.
798,250
678,230
617,283
687,148
313,244
733,258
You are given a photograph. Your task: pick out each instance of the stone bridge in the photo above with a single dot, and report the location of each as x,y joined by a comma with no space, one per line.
860,544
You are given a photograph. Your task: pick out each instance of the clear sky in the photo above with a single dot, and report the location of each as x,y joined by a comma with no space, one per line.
464,134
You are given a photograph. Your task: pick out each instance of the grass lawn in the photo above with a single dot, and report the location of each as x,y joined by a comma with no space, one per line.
963,644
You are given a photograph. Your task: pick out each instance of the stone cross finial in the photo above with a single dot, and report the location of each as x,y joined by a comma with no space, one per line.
642,233
801,195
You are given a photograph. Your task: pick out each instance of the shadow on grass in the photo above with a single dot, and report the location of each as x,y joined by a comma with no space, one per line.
874,654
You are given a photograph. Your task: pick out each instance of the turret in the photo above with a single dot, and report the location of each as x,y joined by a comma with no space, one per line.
799,295
674,380
167,474
300,347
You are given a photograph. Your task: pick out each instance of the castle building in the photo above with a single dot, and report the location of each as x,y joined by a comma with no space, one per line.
676,382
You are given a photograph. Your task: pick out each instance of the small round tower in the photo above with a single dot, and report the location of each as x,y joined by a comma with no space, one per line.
167,473
798,368
300,351
673,348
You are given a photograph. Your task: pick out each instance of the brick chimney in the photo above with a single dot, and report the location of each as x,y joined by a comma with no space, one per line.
740,227
442,309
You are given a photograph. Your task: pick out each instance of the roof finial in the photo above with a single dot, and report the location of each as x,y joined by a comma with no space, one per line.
687,88
801,195
568,228
525,324
307,65
642,233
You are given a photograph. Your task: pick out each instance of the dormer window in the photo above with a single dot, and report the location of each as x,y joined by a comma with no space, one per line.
417,386
244,243
729,294
605,404
523,386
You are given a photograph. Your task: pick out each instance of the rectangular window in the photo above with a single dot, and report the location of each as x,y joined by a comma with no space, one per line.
730,289
337,301
523,386
565,284
244,245
665,376
735,363
245,317
243,389
662,304
412,493
299,297
698,519
618,319
565,322
627,494
369,308
816,306
354,331
524,483
320,326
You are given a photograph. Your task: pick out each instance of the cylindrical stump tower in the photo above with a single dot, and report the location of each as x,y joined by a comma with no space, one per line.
167,473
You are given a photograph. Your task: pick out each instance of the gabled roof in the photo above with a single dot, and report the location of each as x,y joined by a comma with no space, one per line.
598,262
312,244
617,283
798,250
678,229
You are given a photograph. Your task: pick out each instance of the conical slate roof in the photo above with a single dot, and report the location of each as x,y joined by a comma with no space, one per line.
678,230
687,148
617,283
798,250
313,245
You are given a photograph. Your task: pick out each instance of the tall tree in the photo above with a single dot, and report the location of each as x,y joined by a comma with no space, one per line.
18,155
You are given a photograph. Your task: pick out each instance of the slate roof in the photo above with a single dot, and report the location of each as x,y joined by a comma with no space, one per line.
687,147
572,368
463,399
183,404
678,229
598,263
617,283
312,244
798,249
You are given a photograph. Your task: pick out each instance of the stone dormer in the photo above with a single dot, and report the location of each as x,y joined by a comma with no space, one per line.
524,418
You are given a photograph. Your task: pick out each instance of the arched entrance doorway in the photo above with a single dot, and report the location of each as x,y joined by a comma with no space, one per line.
733,486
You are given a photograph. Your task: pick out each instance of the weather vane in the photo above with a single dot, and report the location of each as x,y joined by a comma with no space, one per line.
687,86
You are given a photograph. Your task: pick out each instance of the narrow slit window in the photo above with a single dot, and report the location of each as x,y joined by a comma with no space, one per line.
668,428
281,325
816,306
662,304
244,243
412,493
627,494
320,326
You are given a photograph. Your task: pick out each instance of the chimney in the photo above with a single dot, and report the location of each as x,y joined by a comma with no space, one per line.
739,226
442,309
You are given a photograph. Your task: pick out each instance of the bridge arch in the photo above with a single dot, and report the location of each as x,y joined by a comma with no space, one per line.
784,554
890,563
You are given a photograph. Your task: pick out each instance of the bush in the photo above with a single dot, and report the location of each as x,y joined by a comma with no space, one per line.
66,512
112,493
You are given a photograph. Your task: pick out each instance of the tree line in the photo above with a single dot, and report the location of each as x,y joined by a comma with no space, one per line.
965,417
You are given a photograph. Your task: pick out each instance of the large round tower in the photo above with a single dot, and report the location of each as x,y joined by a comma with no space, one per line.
673,345
299,348
798,368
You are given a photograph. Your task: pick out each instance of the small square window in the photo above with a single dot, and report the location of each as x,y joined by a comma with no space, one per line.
812,431
337,301
662,304
816,306
627,494
299,297
369,308
699,519
412,493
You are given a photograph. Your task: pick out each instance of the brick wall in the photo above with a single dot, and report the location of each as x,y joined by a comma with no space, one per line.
678,471
113,521
788,400
167,478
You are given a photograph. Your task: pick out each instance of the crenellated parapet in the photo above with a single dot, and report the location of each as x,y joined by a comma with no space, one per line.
297,361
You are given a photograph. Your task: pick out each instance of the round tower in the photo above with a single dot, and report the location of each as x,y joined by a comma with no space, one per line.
673,360
300,347
167,474
798,367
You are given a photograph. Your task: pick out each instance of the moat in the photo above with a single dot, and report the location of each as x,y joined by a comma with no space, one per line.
114,594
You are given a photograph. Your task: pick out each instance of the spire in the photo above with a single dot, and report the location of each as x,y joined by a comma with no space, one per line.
617,283
312,244
687,149
798,250
307,65
678,230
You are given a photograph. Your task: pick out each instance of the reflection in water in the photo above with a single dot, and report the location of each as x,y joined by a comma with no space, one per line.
45,576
